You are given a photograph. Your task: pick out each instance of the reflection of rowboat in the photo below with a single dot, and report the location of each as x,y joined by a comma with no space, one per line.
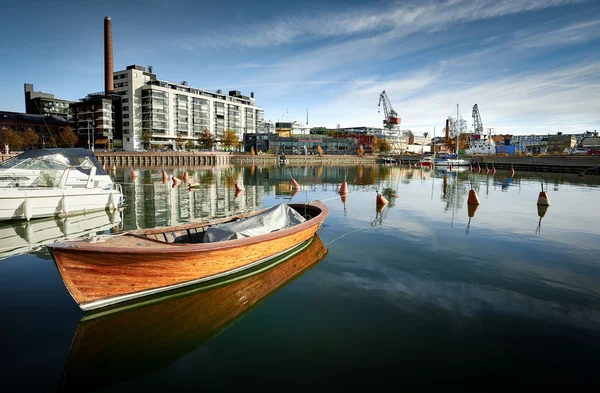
104,271
25,236
128,343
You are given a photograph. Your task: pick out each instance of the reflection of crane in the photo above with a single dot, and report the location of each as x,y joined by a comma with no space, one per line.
391,116
477,124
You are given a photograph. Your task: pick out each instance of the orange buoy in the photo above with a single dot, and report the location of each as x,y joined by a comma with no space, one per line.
238,193
512,171
343,188
470,168
487,170
381,200
543,199
473,198
478,168
542,209
238,187
295,191
176,180
165,177
103,167
471,209
493,170
295,184
133,175
186,177
344,198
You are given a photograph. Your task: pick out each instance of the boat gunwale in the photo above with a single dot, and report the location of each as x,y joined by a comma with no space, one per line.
170,248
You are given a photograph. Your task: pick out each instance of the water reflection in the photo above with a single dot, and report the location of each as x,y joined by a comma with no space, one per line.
20,237
138,338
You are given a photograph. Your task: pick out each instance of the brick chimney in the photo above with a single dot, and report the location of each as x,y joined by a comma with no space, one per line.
108,56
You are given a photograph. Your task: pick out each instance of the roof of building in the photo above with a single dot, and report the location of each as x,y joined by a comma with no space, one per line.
28,117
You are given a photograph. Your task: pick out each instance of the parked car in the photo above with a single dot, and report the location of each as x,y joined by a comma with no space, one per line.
578,150
594,152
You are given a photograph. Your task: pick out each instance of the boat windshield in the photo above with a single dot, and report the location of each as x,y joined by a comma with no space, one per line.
55,159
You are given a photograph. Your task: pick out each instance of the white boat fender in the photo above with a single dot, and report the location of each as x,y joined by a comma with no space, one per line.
27,208
65,205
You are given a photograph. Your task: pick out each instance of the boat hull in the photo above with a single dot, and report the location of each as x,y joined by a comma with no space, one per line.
98,276
27,203
453,162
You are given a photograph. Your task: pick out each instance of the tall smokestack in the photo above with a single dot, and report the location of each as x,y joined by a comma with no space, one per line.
108,56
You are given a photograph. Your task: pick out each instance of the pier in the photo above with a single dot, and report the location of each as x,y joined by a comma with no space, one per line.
163,158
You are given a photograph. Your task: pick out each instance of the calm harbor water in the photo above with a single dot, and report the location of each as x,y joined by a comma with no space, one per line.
419,294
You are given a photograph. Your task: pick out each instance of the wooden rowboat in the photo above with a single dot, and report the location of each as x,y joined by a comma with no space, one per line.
103,271
119,344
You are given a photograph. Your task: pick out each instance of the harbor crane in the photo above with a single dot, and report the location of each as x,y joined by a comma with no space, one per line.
391,116
477,124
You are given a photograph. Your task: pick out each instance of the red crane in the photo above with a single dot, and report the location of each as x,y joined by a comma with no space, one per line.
391,116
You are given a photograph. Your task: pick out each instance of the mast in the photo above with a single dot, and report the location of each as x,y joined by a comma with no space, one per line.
457,130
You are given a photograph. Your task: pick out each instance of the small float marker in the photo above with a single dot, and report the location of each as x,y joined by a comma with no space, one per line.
343,188
543,199
478,168
133,175
512,171
295,183
470,168
473,198
493,170
186,177
238,187
165,177
381,201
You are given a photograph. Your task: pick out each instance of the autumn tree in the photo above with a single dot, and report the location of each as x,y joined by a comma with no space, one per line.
230,139
361,151
375,144
189,144
67,138
30,138
146,137
14,139
320,150
206,139
179,142
384,146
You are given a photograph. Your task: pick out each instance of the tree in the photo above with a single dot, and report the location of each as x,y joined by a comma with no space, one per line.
230,139
189,144
318,130
14,139
67,138
320,150
361,151
375,144
179,142
384,146
146,137
30,138
206,140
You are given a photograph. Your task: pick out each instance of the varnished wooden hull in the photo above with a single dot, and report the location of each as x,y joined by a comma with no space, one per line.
127,343
129,267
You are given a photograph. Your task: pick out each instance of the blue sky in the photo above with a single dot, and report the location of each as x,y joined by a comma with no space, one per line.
531,66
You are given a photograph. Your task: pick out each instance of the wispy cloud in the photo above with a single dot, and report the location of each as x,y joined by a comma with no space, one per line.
402,19
577,33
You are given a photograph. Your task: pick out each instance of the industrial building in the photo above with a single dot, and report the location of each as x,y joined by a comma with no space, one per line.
40,103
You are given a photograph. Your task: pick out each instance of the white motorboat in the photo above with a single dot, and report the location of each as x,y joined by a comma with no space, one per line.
55,182
451,159
22,237
24,170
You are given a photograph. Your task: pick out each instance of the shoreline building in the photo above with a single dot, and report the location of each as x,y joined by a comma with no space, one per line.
166,110
40,103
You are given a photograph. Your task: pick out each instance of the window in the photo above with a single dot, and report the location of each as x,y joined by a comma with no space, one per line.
125,100
126,108
125,116
127,139
125,124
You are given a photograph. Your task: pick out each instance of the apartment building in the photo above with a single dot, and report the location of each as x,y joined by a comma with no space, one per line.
96,119
40,103
166,110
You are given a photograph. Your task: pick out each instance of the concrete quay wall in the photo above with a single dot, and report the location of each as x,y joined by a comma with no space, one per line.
162,158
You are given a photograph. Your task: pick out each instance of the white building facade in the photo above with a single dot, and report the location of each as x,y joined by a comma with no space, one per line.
167,110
